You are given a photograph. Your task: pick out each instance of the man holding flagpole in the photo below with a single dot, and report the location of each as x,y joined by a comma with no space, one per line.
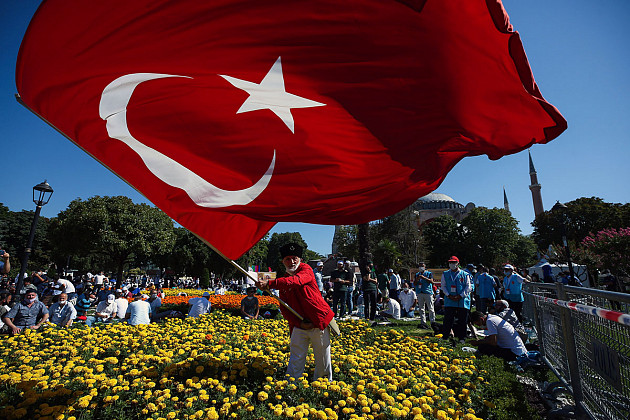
299,289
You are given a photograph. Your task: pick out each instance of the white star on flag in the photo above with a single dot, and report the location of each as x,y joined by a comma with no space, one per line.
270,94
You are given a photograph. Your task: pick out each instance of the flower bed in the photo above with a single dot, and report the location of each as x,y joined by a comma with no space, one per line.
190,292
218,366
228,301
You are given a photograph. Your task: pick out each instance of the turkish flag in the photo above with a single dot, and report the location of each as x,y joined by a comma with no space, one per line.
233,115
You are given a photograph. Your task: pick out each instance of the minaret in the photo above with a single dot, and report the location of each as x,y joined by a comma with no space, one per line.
535,188
335,246
506,205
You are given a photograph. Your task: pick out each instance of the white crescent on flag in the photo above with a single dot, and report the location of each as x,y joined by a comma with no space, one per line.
113,109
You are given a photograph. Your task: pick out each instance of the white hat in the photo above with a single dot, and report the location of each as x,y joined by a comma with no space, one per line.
508,267
111,298
143,296
390,270
320,264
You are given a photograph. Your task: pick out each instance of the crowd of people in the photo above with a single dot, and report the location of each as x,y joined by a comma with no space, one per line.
387,295
94,299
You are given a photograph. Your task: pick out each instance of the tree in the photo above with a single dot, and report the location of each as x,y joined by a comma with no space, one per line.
346,240
583,216
15,228
607,249
442,238
189,256
524,251
4,218
204,280
489,236
257,255
363,239
311,255
115,228
387,255
402,230
276,242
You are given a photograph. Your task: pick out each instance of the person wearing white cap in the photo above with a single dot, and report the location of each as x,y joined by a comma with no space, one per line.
319,277
105,311
121,303
513,289
139,311
199,306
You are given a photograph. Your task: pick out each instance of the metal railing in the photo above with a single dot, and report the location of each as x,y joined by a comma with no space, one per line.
584,337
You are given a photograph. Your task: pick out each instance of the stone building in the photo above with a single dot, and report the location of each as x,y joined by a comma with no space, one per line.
427,208
436,204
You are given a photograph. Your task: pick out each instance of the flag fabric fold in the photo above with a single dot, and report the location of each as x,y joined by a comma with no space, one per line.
233,115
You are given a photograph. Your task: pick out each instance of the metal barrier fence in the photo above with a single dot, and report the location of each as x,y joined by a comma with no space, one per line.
584,337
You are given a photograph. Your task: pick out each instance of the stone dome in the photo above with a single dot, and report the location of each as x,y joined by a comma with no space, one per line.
436,201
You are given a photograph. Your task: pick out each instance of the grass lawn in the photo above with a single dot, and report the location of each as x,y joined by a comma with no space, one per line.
510,398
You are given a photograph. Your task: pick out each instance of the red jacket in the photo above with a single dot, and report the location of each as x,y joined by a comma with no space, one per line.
301,293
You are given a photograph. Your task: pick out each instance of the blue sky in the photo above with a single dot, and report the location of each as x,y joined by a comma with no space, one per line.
579,54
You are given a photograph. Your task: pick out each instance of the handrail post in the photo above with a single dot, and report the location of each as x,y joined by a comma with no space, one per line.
539,331
570,349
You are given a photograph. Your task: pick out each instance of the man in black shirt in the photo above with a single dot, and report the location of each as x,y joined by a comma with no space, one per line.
340,278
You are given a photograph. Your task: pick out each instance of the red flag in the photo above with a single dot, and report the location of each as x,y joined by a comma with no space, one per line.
233,115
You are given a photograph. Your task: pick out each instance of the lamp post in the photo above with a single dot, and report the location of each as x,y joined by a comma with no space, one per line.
41,195
561,210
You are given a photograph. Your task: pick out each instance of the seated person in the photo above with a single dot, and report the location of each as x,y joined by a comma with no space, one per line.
438,304
501,339
121,304
62,312
5,300
67,287
105,311
249,304
139,311
502,309
84,302
392,308
155,301
29,313
199,306
408,301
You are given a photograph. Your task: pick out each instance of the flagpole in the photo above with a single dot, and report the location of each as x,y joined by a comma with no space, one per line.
246,273
18,98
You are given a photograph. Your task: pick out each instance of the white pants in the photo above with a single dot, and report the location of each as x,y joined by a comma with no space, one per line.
426,299
300,340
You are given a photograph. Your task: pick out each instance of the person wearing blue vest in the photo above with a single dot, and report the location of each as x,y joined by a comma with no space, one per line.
485,289
513,289
457,287
423,285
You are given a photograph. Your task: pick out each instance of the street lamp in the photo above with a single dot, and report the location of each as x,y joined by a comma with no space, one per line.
561,211
41,196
